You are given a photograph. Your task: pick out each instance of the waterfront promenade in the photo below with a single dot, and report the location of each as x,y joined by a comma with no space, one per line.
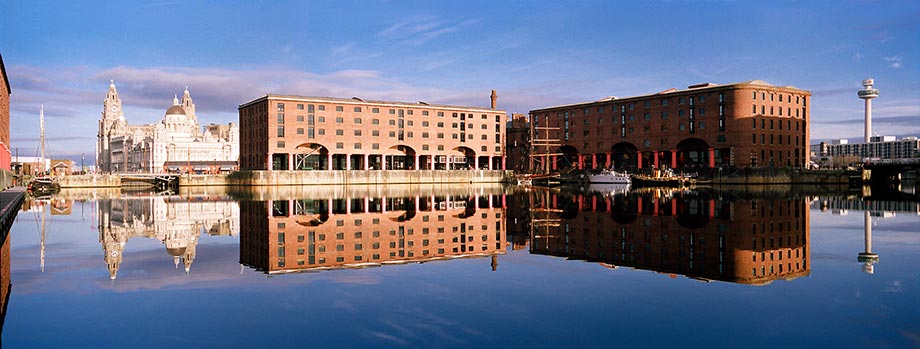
10,201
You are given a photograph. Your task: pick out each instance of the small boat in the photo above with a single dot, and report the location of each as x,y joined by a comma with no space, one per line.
609,176
660,179
44,185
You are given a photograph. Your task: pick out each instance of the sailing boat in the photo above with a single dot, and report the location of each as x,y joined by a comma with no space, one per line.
43,184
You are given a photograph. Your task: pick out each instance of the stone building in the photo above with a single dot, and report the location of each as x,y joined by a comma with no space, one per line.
283,132
176,144
707,125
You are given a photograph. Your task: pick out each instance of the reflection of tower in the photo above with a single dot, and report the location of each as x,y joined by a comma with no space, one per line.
867,94
868,258
113,245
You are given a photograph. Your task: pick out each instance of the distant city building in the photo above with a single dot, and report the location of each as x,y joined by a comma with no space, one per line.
175,144
879,147
177,222
29,165
707,125
517,143
282,132
5,91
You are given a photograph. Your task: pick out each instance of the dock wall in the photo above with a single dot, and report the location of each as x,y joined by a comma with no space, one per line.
354,177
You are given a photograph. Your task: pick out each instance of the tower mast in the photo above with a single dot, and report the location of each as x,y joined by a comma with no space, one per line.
41,123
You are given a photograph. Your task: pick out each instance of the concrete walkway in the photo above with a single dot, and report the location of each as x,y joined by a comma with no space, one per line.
10,203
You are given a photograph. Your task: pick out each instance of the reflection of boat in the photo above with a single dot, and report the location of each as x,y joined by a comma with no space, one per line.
610,189
609,176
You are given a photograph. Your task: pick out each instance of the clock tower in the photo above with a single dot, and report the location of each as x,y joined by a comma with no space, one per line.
112,123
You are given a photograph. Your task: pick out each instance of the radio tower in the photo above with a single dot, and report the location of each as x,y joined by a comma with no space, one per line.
867,94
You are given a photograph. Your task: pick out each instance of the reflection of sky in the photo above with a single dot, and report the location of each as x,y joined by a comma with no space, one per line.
530,301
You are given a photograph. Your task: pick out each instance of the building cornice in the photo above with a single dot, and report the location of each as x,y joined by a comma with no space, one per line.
692,89
364,102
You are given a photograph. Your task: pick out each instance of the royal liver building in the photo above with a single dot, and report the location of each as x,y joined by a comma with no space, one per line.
176,144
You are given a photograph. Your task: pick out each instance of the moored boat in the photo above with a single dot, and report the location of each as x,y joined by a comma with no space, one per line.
609,176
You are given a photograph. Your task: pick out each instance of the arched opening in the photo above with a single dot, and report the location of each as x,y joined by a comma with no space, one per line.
568,159
623,155
693,152
464,158
400,157
310,156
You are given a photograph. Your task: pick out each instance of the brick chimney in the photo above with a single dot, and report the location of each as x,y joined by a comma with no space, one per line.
494,99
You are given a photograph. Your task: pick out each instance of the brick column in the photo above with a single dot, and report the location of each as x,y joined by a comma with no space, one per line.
712,158
269,164
673,158
639,159
655,159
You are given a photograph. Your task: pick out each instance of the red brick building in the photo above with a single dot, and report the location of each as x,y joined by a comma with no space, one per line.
316,234
517,144
5,156
707,125
279,132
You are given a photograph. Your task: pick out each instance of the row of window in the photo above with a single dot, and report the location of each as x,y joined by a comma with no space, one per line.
310,108
763,110
376,256
778,138
788,98
312,132
779,123
312,120
664,102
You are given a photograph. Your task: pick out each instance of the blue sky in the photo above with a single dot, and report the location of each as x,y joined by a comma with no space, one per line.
535,53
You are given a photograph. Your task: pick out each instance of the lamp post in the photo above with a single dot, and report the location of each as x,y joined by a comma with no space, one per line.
82,163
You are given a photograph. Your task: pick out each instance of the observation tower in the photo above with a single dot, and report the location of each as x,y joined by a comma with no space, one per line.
867,94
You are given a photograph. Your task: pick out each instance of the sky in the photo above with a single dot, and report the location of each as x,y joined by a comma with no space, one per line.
536,54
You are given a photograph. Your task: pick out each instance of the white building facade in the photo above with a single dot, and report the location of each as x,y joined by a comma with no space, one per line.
176,144
879,147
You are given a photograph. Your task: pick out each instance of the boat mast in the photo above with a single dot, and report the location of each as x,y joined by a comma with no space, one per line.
41,123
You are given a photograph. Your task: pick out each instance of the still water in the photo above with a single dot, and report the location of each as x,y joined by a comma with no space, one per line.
466,267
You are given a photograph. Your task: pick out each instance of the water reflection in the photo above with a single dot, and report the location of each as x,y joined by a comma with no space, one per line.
5,286
175,221
349,229
878,209
700,235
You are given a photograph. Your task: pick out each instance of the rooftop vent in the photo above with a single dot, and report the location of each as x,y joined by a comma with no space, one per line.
705,84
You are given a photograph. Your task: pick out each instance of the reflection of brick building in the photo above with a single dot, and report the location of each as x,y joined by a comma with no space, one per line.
315,133
4,277
295,235
750,242
707,125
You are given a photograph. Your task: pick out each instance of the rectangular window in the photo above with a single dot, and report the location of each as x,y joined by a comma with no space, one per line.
339,120
321,132
375,110
280,130
300,107
358,121
300,130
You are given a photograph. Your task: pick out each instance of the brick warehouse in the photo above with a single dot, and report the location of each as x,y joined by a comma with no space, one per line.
280,132
749,124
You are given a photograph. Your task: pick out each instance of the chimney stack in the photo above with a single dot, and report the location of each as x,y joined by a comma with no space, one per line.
494,99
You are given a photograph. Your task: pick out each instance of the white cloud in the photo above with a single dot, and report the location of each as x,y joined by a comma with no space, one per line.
894,61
